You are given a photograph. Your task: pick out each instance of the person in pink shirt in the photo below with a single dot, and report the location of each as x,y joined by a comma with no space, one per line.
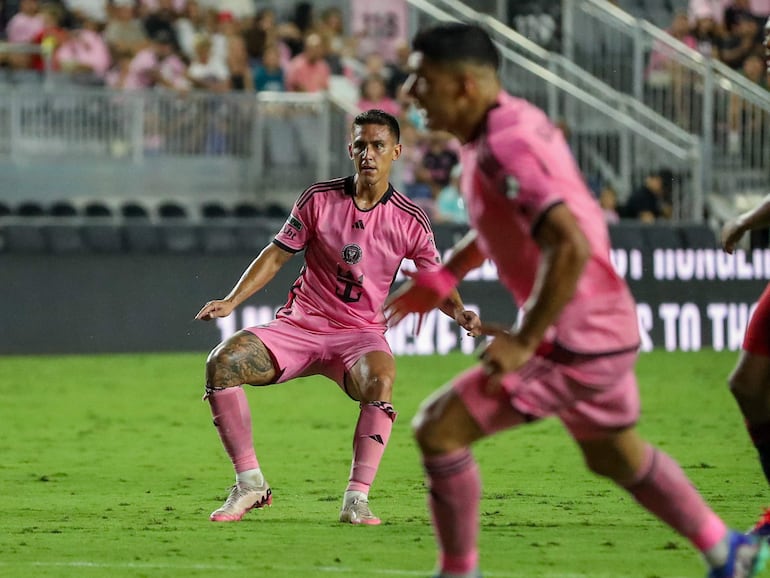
573,354
309,71
374,95
84,54
355,231
26,24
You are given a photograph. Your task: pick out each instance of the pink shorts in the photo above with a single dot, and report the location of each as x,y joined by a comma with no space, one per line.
298,352
591,395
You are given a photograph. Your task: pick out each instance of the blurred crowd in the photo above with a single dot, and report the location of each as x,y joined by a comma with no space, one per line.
229,45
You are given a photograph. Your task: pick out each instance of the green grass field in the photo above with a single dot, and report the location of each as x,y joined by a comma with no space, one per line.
110,467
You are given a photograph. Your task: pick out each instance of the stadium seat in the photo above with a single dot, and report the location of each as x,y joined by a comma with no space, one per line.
19,238
141,237
133,210
276,211
246,210
63,209
97,209
103,238
214,210
662,236
64,238
4,210
30,209
171,210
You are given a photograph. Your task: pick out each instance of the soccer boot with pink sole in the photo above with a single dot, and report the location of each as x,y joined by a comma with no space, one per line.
762,527
748,555
357,512
242,498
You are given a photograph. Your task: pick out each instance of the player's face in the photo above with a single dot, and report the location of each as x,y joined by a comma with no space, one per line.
373,149
436,90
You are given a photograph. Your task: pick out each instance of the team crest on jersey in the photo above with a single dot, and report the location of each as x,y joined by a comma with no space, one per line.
512,187
351,254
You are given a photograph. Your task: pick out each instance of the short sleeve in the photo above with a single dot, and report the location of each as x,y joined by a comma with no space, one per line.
424,252
298,228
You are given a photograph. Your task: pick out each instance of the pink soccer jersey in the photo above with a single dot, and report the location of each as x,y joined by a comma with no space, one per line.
518,168
351,255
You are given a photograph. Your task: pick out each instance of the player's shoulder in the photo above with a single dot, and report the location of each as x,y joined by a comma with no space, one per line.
409,210
324,189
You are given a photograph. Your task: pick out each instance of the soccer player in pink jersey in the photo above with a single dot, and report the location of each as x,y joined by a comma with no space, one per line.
574,352
750,380
355,232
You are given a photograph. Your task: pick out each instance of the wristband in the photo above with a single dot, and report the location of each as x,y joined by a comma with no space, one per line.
442,281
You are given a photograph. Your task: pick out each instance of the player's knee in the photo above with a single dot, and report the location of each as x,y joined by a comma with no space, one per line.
220,366
377,388
429,432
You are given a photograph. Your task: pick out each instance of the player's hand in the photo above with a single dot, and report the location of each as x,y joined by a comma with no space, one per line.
731,234
214,309
506,352
469,321
422,293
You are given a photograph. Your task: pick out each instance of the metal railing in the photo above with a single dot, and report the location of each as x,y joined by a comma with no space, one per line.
617,140
193,144
726,110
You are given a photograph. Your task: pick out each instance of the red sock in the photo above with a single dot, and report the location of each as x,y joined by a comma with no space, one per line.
664,490
455,492
375,422
232,418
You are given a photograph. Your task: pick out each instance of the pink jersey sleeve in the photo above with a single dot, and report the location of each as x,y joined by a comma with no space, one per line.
424,252
298,228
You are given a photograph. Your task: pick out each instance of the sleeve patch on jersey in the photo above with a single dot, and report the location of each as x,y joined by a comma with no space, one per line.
294,222
512,187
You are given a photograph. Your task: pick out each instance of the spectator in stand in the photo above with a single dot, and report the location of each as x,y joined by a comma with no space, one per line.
23,28
608,201
747,123
234,48
650,202
158,66
331,27
438,161
268,74
124,32
204,73
399,71
161,17
309,71
373,96
740,39
51,37
192,24
95,10
707,35
450,205
714,9
667,74
405,171
85,55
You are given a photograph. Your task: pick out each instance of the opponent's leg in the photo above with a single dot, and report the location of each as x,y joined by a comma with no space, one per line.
445,430
371,382
750,385
658,483
242,358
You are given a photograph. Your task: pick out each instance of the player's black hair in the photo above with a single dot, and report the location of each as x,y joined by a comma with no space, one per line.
377,116
457,42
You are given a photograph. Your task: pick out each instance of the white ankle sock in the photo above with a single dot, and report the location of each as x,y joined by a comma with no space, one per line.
716,556
250,477
353,495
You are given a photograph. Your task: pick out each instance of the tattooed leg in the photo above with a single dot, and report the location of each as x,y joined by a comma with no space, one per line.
241,359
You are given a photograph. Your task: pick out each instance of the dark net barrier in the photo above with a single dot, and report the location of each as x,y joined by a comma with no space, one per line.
690,294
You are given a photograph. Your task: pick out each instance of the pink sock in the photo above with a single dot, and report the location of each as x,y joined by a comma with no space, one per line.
455,492
375,422
664,490
232,418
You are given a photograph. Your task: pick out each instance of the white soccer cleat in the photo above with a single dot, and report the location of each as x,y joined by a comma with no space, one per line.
357,512
242,498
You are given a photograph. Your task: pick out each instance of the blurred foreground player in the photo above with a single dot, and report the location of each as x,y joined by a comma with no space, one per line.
355,231
574,353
